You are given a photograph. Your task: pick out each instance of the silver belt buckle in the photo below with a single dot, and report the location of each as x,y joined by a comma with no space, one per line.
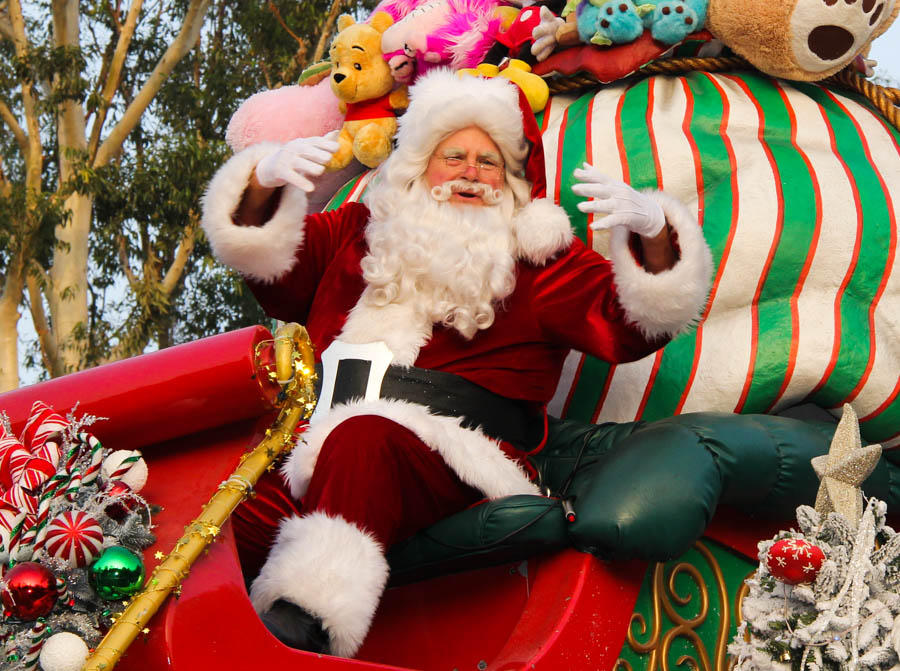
373,358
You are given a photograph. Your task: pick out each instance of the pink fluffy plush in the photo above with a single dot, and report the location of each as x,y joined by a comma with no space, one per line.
281,115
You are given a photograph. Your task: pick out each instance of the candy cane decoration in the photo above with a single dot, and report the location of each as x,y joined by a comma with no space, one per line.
74,485
38,633
93,470
62,590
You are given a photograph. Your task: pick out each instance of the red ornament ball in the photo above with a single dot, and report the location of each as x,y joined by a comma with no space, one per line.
794,561
122,500
74,537
28,591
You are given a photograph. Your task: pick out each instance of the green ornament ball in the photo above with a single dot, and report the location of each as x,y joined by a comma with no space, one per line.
117,573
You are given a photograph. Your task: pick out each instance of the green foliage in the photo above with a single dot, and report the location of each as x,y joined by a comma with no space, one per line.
146,201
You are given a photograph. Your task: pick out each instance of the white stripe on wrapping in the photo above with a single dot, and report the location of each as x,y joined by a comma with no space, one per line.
887,315
834,252
558,107
630,381
357,191
727,333
566,380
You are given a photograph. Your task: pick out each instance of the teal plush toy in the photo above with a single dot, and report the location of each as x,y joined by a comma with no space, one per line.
621,21
610,22
673,20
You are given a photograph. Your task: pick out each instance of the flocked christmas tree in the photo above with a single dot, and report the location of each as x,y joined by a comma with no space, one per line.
827,596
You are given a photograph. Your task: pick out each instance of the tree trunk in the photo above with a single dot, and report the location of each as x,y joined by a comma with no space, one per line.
9,334
67,295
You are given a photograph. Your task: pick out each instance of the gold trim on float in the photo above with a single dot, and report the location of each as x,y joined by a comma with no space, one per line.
664,598
295,369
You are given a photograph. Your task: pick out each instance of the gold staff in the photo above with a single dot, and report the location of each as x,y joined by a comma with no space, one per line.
295,370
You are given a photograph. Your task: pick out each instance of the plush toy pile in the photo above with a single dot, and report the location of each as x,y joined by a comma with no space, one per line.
72,528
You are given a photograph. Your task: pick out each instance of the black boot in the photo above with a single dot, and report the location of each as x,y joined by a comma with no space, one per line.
295,627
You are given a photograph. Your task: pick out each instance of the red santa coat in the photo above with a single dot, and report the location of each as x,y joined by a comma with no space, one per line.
389,467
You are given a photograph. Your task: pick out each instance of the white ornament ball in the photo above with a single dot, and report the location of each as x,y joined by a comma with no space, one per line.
63,652
119,465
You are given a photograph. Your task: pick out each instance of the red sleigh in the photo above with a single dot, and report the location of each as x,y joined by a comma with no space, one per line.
502,587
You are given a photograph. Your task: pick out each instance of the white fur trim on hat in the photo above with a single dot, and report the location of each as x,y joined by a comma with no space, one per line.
442,102
262,253
475,458
668,302
330,568
542,230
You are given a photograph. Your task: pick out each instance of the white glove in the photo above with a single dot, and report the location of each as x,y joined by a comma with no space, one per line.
296,160
623,205
544,34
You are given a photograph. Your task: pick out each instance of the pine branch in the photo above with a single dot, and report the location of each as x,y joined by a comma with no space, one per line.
33,152
6,30
180,46
114,74
35,281
10,120
182,255
327,27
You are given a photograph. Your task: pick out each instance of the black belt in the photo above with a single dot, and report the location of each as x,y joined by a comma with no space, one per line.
448,395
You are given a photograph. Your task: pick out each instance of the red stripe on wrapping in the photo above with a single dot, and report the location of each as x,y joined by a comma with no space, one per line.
890,259
836,346
698,178
620,140
896,390
654,150
589,157
735,210
779,228
560,145
807,264
545,121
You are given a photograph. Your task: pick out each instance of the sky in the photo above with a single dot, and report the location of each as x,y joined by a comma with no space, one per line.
886,50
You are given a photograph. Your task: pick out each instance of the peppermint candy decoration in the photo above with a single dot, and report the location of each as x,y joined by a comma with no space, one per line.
794,561
74,537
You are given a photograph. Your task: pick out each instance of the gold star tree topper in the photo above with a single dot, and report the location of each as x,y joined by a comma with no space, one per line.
844,469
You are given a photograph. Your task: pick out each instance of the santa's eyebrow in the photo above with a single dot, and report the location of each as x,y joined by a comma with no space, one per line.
491,156
449,152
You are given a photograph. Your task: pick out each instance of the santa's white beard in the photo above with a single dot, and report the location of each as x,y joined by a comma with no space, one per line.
436,262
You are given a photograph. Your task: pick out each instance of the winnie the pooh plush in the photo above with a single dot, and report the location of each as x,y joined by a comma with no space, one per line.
362,82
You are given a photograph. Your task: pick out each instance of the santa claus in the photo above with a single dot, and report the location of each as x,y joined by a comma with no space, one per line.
444,307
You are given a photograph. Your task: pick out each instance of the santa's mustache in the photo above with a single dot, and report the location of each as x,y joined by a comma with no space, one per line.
488,195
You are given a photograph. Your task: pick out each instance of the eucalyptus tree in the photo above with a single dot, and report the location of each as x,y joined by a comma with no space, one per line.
116,115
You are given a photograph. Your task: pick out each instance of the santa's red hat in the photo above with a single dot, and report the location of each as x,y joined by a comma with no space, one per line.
442,102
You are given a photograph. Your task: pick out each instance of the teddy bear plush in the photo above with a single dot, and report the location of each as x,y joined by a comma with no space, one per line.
803,40
362,82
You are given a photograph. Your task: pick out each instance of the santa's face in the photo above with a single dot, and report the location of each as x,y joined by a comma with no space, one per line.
470,164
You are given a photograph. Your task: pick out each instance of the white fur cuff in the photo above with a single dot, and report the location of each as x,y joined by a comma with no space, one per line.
330,568
262,253
669,302
475,458
542,230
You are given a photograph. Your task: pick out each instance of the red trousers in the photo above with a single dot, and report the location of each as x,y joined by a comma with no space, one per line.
371,471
